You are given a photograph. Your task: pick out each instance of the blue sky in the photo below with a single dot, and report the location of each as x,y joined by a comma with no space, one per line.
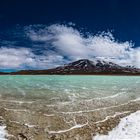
45,34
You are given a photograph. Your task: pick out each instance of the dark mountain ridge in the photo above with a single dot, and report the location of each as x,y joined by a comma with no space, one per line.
85,67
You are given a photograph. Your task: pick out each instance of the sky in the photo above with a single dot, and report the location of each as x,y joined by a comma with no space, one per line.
37,34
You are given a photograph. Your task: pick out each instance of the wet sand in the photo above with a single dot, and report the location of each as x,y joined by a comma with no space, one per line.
40,120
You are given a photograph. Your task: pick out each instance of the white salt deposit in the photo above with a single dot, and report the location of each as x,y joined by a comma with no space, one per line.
128,129
3,133
66,130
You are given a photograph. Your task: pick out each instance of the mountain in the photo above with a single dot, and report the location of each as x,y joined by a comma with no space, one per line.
85,66
3,73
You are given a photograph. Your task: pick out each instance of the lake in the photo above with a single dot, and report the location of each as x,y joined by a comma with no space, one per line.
70,88
64,106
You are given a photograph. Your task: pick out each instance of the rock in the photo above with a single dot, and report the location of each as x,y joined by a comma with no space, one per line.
22,137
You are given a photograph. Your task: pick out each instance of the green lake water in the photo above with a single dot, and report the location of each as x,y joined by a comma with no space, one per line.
69,88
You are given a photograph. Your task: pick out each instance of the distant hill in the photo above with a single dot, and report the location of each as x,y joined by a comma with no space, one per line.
3,73
85,67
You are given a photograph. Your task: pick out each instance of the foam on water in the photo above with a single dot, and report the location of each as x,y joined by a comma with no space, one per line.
128,129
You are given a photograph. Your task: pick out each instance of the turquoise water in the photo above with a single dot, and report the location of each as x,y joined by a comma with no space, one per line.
69,88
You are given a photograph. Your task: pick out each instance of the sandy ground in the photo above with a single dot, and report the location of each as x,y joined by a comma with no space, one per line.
40,120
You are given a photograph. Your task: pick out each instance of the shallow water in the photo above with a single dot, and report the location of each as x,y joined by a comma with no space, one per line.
69,88
67,107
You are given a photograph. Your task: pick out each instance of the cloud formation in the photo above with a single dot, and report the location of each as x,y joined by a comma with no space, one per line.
15,58
62,44
24,58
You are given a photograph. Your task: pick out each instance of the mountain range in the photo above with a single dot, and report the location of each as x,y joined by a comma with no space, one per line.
84,67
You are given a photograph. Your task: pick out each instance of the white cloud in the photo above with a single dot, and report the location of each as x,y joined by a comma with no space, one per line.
15,58
62,44
104,45
70,42
23,58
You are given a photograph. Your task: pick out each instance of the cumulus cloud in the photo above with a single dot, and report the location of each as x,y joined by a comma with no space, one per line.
24,58
67,41
15,58
62,44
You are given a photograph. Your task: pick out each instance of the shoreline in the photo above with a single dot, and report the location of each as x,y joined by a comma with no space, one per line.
69,75
25,122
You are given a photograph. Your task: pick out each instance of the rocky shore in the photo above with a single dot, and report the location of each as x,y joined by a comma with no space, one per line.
38,120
